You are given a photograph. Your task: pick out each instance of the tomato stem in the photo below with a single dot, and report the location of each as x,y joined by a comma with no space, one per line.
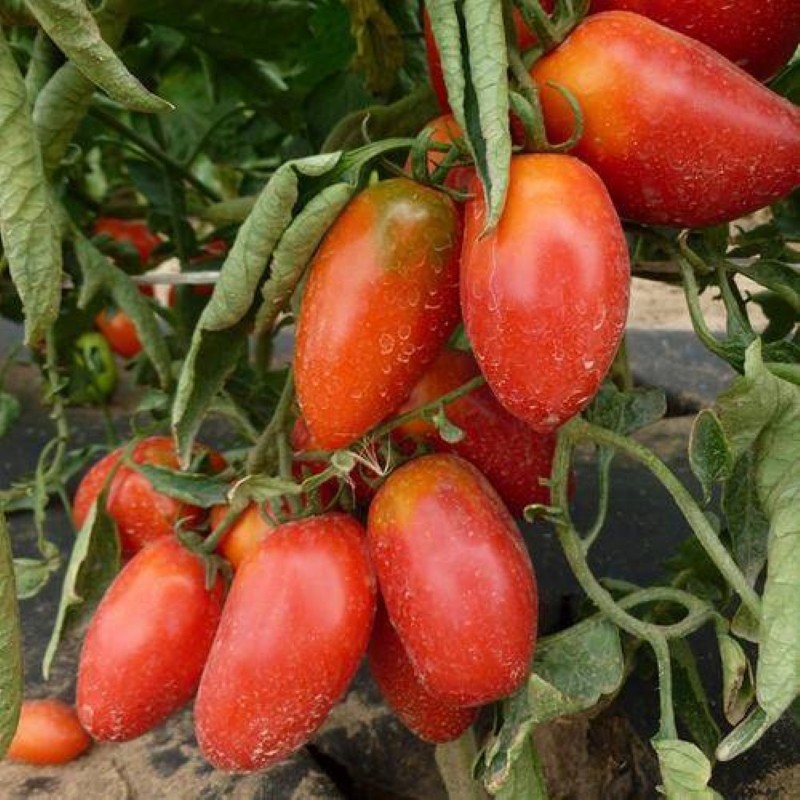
264,455
455,760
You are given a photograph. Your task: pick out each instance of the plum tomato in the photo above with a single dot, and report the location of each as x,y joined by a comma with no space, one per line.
119,331
48,732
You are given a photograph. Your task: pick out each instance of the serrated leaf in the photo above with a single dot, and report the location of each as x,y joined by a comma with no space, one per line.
28,224
92,566
99,273
9,412
188,487
219,337
709,455
738,691
10,644
31,576
625,412
70,24
761,413
685,771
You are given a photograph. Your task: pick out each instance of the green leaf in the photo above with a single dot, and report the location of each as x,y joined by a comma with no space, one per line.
99,273
93,564
31,575
685,771
761,413
738,691
526,780
70,24
189,487
9,412
10,644
449,432
28,223
709,455
744,735
781,278
625,412
219,337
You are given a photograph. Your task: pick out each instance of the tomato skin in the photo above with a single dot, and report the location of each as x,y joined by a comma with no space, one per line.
381,300
513,457
679,135
120,332
48,733
142,514
456,578
147,643
245,534
426,715
758,37
545,295
133,231
293,631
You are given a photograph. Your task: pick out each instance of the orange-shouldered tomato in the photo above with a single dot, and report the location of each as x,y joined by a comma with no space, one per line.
249,529
48,732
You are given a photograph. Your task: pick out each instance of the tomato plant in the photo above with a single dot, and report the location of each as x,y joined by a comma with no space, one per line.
48,733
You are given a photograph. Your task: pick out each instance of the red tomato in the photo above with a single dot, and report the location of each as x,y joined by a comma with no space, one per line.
133,231
513,457
428,716
147,643
759,37
120,332
545,294
456,578
142,514
381,300
445,130
294,629
48,733
679,135
247,532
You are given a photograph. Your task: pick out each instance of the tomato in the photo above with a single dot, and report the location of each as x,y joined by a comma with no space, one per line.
679,135
245,534
429,717
93,376
48,733
133,231
545,294
445,130
759,37
142,514
120,332
456,578
147,643
381,300
293,631
513,457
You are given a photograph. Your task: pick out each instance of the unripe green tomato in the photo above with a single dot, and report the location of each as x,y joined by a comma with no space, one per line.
93,375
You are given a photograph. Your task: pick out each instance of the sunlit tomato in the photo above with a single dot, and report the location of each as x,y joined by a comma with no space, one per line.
513,457
381,300
545,294
679,135
456,579
93,373
48,733
147,643
142,514
428,716
245,534
760,37
133,231
445,130
120,332
293,631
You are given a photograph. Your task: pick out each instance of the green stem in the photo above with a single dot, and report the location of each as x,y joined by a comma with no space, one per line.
263,455
667,729
59,413
455,760
539,22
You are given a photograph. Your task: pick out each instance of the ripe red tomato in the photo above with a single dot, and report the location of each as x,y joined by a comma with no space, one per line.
445,130
142,514
759,37
243,537
147,643
513,457
381,300
679,135
428,716
293,631
48,733
120,332
456,578
133,231
545,294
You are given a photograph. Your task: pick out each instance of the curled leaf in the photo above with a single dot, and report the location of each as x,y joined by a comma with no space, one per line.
10,644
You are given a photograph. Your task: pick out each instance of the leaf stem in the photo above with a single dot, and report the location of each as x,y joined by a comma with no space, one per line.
455,760
264,455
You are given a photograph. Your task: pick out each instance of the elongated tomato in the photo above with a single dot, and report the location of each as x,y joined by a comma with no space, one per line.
427,715
456,579
381,300
760,37
147,643
545,294
679,135
294,628
48,733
